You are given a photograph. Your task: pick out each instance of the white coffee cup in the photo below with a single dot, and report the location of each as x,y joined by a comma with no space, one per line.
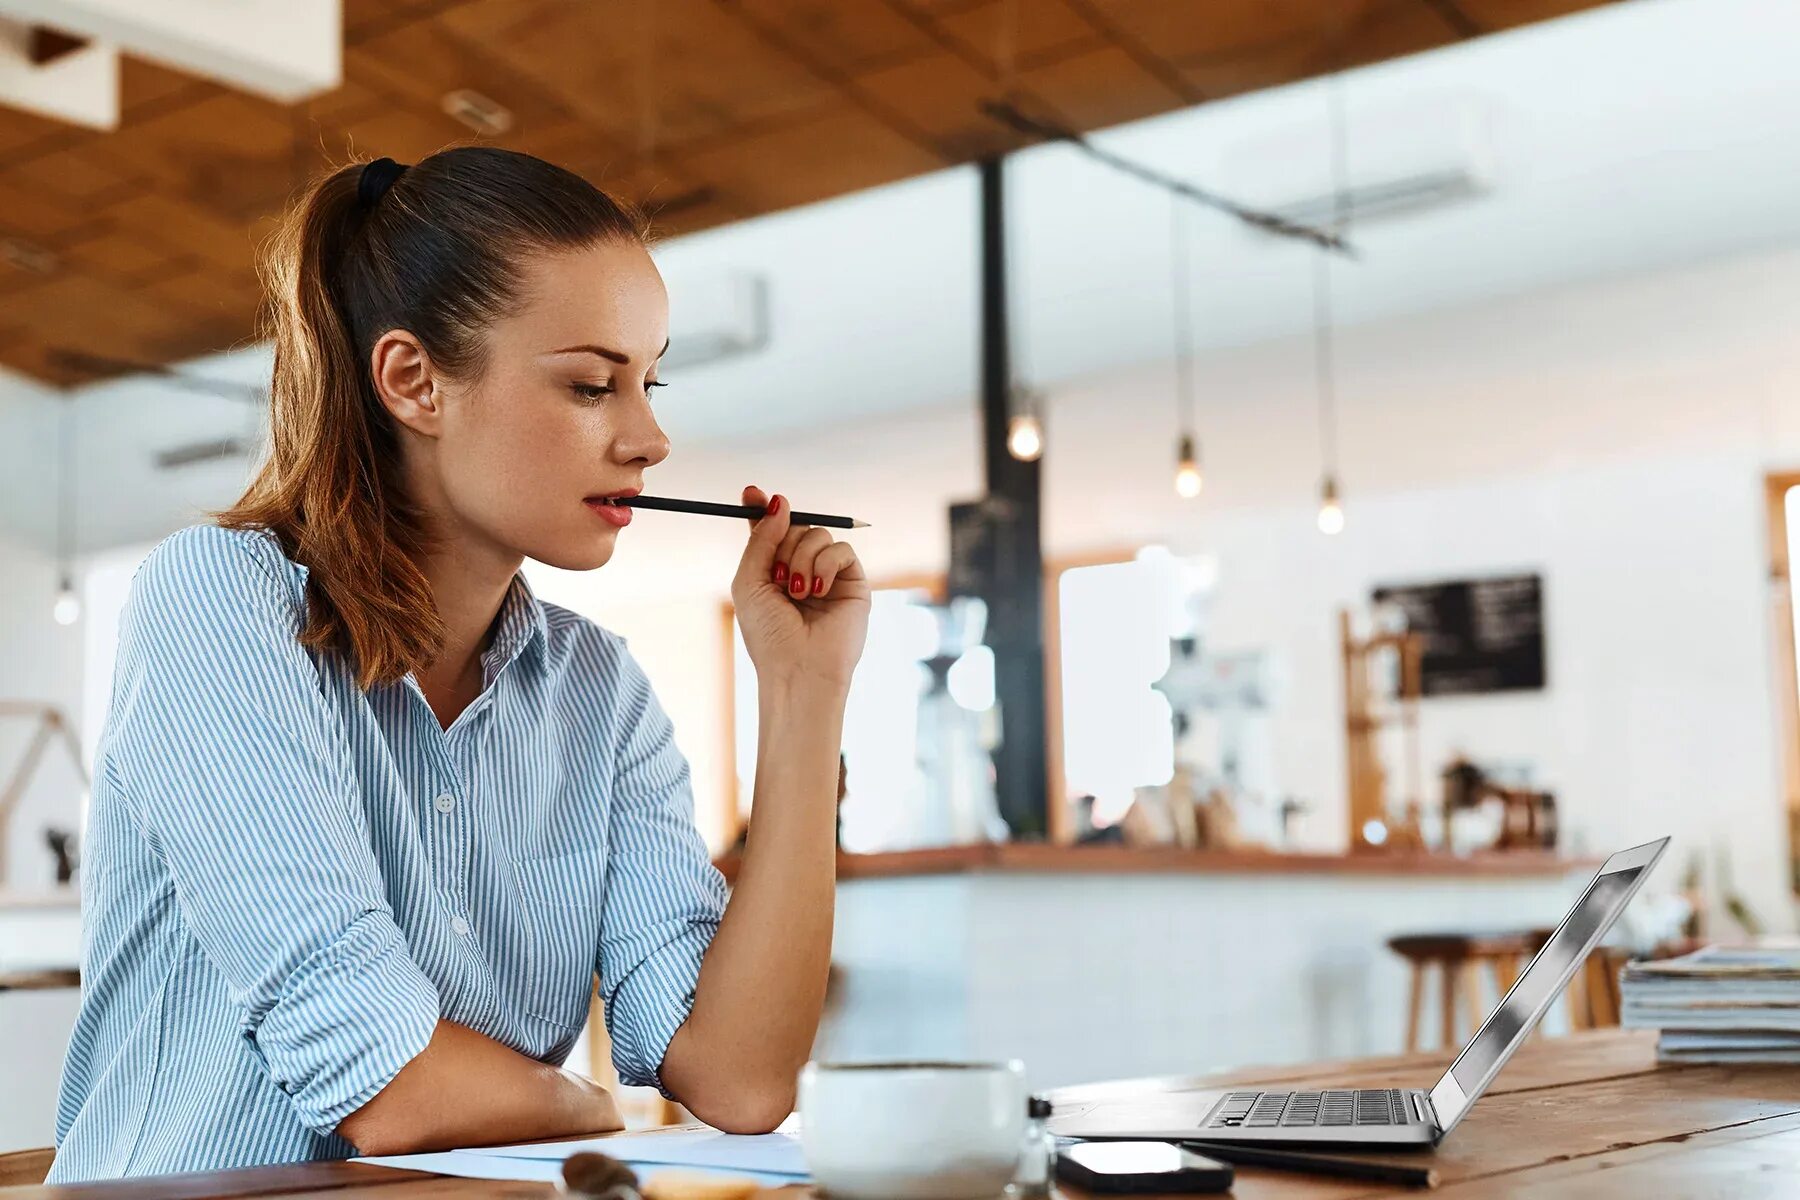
912,1130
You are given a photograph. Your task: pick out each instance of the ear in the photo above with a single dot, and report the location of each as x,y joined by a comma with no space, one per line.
401,371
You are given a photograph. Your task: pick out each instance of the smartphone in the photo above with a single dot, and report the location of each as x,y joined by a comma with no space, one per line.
1139,1167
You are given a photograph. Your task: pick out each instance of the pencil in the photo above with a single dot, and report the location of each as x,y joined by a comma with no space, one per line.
1317,1164
748,512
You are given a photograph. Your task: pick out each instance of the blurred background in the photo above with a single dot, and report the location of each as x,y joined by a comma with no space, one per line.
1328,462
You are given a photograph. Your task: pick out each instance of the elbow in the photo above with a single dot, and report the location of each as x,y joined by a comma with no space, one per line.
745,1109
374,1136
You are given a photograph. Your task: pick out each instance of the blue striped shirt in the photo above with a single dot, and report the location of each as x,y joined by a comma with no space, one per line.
288,880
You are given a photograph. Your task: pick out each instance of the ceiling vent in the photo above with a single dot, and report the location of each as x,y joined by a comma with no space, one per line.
1399,161
716,317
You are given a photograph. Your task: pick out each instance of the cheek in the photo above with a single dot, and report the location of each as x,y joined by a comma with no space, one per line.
518,469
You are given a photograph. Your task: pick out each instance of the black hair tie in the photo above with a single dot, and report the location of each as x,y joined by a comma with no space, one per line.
376,178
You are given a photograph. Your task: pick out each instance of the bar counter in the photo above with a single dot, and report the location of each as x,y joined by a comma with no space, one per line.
1039,858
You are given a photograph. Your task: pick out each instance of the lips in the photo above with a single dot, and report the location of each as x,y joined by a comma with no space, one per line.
616,515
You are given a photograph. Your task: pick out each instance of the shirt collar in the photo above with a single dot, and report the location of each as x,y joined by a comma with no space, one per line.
521,625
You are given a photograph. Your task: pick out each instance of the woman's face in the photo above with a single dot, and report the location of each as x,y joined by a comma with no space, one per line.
561,415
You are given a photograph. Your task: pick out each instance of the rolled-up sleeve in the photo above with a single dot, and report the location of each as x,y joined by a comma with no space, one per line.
223,747
664,898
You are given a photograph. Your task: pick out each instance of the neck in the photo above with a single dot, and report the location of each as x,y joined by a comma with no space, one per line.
468,584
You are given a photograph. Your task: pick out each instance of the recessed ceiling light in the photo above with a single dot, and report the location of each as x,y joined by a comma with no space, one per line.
487,117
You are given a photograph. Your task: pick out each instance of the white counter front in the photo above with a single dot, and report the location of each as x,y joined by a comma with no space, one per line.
1096,974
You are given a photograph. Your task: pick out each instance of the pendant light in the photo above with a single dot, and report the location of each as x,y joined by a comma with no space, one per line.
1188,477
67,608
1024,431
1331,504
1025,424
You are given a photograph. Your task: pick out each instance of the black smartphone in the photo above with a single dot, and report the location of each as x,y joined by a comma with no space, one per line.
1139,1167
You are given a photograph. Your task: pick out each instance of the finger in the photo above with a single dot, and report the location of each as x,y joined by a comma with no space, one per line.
765,536
833,561
784,553
755,497
800,563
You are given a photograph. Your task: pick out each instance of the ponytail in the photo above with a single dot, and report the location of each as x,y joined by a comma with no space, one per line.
438,253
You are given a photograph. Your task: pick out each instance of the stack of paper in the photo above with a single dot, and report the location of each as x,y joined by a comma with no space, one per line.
1723,1004
772,1159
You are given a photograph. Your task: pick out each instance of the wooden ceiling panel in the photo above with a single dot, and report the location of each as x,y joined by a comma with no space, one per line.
140,241
78,311
120,257
80,177
1232,29
192,230
364,17
145,86
852,37
1100,88
1487,16
940,96
415,66
26,211
404,134
1040,33
21,131
814,158
231,155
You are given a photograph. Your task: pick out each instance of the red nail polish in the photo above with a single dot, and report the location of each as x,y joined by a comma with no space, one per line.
774,506
799,584
818,585
780,572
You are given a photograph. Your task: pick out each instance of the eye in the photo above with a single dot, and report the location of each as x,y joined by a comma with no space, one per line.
591,393
652,383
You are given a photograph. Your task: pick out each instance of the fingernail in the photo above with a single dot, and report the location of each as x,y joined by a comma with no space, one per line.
799,584
780,572
774,506
818,585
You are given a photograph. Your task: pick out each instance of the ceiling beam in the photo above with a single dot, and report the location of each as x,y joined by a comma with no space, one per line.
287,50
77,83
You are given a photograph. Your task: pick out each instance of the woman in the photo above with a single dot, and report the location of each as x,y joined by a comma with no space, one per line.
368,817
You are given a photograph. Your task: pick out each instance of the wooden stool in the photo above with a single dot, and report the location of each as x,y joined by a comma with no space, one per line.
1459,958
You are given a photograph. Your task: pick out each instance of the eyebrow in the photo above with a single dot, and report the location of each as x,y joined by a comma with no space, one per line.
603,352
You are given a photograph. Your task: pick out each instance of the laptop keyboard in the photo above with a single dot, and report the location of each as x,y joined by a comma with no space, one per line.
1266,1110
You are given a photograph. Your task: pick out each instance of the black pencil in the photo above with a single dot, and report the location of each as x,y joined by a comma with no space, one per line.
1317,1164
748,512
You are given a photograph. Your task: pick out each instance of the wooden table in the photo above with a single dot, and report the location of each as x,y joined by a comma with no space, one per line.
1583,1117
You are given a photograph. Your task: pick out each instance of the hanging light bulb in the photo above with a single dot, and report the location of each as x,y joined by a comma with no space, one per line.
1024,437
67,609
1188,479
1331,509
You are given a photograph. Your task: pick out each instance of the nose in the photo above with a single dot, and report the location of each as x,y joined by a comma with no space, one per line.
641,442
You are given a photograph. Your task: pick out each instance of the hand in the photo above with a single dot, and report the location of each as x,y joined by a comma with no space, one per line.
802,600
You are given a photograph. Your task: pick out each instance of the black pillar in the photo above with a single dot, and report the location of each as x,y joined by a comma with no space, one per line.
1014,589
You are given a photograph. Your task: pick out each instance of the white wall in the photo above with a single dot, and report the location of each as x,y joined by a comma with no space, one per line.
40,662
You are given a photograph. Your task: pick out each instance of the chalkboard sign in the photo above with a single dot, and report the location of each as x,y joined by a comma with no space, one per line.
1480,635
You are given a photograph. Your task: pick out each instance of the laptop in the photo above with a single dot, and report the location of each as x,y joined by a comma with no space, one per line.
1388,1117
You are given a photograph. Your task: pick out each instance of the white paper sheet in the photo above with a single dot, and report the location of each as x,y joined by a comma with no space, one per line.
472,1166
479,1164
771,1153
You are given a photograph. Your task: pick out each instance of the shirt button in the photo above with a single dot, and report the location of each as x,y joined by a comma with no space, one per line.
461,926
445,802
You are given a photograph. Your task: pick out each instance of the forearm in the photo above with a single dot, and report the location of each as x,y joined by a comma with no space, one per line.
465,1089
762,985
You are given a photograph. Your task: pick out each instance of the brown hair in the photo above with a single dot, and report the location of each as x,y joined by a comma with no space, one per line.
439,254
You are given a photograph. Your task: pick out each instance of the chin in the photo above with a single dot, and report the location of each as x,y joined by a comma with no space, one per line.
586,555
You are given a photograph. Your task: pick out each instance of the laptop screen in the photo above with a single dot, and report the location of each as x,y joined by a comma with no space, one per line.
1549,972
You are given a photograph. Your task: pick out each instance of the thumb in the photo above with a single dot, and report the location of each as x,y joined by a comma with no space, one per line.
765,536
